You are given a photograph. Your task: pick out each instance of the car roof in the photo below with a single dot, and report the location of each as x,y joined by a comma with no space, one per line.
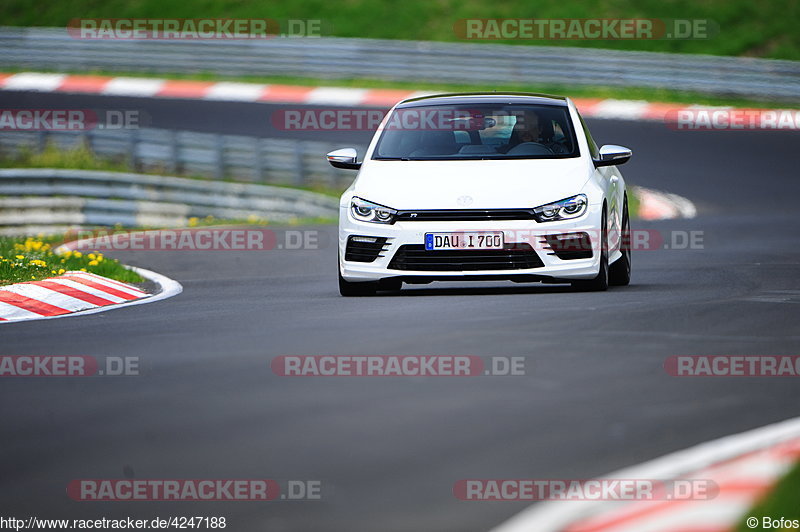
485,97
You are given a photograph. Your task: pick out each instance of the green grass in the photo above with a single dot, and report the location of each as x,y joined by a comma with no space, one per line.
621,93
32,259
633,204
78,158
762,29
781,502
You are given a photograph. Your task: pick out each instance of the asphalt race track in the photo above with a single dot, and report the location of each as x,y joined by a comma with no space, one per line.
388,450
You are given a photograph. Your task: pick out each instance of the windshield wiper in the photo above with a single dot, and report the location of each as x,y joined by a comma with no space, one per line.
391,158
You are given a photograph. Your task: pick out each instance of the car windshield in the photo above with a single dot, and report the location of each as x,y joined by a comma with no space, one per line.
482,131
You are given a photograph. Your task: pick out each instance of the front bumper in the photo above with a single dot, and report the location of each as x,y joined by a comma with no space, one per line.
515,231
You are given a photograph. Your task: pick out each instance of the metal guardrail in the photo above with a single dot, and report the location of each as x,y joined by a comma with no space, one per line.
340,58
249,159
34,200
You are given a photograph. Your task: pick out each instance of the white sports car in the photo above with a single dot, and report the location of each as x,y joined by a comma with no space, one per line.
483,186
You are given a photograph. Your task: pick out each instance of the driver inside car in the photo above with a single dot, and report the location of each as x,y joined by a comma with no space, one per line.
532,128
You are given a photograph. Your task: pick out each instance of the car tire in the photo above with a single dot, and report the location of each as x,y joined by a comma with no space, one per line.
619,273
348,289
599,283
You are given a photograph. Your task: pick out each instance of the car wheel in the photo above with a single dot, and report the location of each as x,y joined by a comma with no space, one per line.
619,273
348,289
599,283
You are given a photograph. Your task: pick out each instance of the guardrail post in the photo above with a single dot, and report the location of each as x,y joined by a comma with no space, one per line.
174,164
133,140
41,141
88,139
258,164
299,164
219,147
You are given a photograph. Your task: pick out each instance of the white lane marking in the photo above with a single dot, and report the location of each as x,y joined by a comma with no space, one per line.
13,313
88,290
240,92
34,81
336,96
51,297
620,109
133,86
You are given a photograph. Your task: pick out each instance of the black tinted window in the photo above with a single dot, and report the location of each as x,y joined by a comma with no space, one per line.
484,131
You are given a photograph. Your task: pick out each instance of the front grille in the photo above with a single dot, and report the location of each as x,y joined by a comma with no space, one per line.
464,215
512,257
569,246
360,249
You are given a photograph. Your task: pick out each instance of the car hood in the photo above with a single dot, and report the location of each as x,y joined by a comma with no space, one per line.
477,184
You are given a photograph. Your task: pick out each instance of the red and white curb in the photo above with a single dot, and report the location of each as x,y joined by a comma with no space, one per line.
744,466
658,205
255,92
77,292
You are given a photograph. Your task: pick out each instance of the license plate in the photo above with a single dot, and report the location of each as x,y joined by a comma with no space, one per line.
481,240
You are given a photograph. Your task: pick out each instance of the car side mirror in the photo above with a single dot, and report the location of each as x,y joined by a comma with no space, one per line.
612,155
346,158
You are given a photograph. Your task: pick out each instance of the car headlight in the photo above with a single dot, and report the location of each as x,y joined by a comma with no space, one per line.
561,210
366,211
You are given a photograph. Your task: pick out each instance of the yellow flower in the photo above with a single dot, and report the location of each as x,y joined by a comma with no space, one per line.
193,221
61,271
93,263
77,254
20,257
83,269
